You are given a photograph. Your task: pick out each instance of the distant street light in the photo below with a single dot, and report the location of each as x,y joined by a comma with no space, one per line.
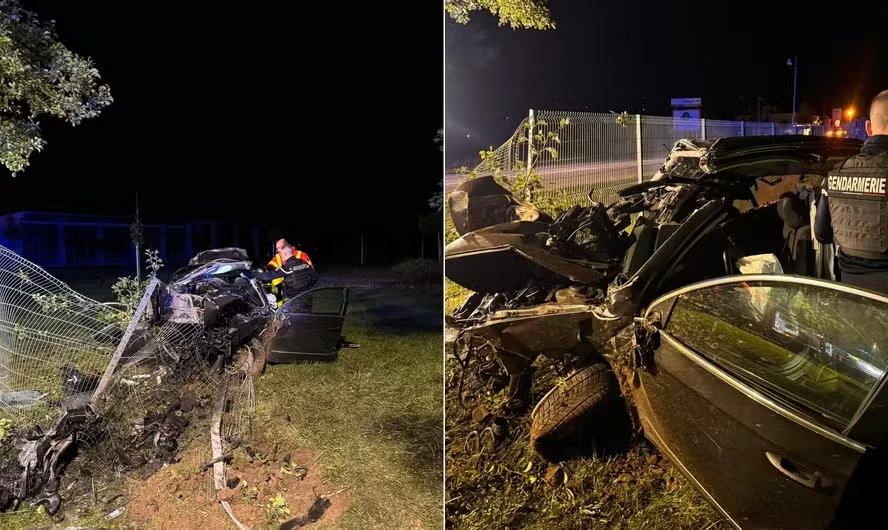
794,64
850,114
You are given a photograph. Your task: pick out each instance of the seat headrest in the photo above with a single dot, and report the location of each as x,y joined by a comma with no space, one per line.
793,211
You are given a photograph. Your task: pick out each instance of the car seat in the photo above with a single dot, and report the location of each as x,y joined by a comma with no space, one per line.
798,247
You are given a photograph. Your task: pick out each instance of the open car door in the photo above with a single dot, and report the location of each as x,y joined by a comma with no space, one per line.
766,390
310,326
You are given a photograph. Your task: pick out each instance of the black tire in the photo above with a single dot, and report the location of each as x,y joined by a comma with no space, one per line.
564,419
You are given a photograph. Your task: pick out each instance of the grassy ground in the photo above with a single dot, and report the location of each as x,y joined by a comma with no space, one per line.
512,487
374,415
454,296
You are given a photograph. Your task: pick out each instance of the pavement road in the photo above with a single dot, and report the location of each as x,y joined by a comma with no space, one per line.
584,175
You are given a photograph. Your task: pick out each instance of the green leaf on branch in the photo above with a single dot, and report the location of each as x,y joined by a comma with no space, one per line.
517,14
40,78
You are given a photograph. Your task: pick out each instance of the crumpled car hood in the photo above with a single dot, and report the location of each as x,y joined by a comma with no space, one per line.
219,267
482,202
505,257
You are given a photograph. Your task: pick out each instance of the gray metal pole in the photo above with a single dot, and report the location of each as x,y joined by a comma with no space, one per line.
639,150
138,243
795,77
530,121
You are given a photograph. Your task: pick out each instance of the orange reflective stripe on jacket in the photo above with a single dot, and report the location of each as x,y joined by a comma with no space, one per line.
298,254
276,261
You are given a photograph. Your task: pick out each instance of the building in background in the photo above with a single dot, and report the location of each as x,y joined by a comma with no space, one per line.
77,240
61,240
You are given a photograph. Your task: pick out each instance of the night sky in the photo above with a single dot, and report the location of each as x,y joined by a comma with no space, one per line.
247,112
635,56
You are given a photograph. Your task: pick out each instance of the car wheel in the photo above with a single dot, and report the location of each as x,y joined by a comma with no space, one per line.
564,420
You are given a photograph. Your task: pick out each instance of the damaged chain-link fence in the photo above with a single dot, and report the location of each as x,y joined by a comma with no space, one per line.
121,388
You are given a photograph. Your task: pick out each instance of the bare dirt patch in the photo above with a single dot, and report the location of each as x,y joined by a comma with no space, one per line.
182,495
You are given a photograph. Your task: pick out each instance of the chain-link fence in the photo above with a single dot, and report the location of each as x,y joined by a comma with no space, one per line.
48,335
125,382
605,151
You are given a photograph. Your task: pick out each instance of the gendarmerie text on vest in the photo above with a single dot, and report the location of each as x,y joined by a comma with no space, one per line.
861,185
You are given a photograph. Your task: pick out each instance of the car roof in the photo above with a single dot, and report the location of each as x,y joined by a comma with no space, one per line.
756,156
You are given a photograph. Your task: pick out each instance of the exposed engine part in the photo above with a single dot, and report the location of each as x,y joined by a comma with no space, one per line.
575,294
585,233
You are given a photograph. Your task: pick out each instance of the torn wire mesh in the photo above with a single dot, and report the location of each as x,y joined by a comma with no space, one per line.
133,390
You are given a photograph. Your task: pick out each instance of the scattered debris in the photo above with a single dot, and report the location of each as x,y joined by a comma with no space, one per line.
225,458
480,414
116,513
76,373
315,512
555,475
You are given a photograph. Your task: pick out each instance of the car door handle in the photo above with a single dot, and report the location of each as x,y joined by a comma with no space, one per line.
798,473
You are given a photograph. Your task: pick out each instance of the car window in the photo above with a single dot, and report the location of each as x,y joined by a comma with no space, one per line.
814,348
323,301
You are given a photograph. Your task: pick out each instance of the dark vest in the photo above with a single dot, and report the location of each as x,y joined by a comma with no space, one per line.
299,276
858,205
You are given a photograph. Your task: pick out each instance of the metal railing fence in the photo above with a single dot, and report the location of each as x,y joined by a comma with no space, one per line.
605,151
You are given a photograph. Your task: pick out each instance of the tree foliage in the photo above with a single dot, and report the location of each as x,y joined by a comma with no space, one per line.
517,14
436,202
39,77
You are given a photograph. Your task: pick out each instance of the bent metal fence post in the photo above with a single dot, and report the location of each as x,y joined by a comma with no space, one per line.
127,335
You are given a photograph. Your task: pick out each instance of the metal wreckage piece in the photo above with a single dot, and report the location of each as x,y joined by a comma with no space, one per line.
534,278
196,323
563,288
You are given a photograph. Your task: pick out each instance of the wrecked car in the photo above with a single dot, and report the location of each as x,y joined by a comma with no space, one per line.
212,292
309,325
185,340
710,315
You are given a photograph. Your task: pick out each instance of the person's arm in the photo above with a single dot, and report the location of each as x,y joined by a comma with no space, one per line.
269,275
823,230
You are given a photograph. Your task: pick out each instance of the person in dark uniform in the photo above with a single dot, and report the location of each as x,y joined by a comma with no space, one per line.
296,273
852,211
